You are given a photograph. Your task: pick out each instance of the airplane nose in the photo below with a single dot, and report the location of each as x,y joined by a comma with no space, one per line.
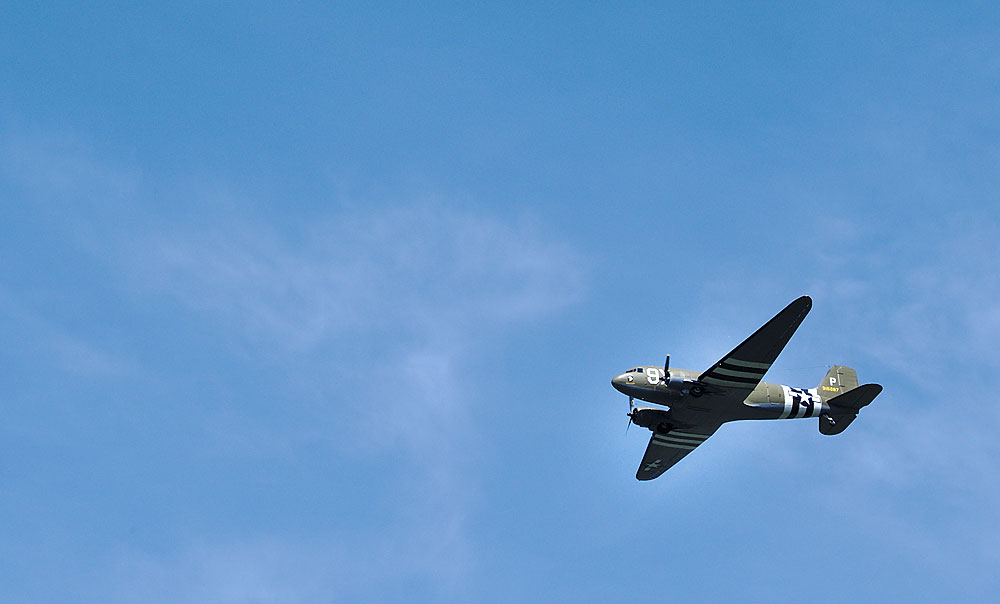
618,382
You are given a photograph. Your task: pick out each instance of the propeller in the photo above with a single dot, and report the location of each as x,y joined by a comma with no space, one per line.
631,410
666,368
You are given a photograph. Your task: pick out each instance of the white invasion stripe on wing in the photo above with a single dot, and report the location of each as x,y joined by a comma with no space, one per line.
717,382
678,441
659,440
695,438
745,374
689,435
674,446
732,361
676,436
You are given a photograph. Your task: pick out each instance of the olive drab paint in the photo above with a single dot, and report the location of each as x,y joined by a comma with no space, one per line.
698,403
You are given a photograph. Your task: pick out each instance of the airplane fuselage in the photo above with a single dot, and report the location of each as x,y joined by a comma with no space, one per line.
689,405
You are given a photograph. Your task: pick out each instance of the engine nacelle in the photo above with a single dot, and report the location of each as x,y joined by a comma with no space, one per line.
676,384
648,417
680,386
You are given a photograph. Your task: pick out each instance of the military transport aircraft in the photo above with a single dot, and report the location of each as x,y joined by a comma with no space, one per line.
699,402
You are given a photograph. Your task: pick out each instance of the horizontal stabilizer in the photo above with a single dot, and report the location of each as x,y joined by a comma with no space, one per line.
844,408
855,399
835,424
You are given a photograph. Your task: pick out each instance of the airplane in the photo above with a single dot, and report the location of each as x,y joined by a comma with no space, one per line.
698,403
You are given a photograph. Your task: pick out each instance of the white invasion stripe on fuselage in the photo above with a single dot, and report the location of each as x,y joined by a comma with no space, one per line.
788,403
801,402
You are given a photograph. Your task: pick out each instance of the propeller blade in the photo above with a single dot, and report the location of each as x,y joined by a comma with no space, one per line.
631,409
666,367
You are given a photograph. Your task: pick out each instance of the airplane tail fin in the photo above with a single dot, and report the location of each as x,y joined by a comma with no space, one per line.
843,397
838,380
843,409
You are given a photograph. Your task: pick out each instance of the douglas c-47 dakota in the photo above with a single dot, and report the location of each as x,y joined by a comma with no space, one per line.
699,402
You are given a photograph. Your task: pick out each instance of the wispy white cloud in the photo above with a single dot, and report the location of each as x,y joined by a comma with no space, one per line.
54,170
421,267
58,348
399,294
428,284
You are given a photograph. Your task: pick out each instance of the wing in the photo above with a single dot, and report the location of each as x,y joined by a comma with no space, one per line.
665,450
741,370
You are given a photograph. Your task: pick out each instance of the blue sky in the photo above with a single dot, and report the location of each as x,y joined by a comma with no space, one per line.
310,304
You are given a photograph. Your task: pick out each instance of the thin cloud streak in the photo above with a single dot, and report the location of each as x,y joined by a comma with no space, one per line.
420,268
423,285
437,282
